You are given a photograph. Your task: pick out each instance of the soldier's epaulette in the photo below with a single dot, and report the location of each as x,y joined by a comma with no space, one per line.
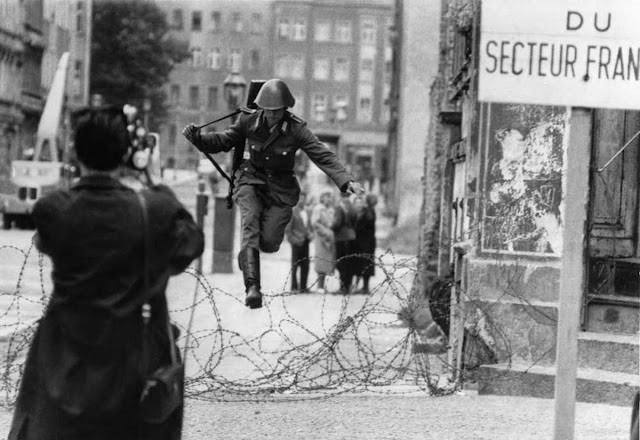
295,118
247,110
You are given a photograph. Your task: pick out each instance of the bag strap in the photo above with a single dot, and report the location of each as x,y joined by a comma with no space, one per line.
146,307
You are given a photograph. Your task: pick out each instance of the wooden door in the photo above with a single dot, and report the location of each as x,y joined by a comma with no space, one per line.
614,204
613,293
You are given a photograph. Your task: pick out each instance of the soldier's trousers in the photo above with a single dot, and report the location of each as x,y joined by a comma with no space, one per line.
262,221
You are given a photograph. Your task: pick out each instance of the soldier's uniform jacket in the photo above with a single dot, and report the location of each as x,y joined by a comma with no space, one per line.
269,155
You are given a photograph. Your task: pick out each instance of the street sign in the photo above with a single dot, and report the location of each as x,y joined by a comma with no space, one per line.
583,53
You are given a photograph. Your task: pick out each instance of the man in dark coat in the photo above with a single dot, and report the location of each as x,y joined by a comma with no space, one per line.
345,236
89,359
365,244
267,187
299,233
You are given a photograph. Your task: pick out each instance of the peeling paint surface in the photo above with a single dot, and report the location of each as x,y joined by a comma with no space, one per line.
523,179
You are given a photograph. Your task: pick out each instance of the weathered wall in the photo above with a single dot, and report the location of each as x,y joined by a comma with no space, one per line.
433,167
419,68
512,235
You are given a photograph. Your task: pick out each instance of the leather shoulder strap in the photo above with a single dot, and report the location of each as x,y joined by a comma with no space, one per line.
146,308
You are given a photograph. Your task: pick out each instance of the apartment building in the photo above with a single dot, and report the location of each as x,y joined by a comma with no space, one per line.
33,36
336,57
68,29
224,37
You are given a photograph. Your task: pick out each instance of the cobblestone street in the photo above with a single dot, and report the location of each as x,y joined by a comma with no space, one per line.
381,417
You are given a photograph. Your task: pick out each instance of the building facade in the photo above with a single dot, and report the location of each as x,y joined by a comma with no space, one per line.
33,36
12,49
415,67
498,193
224,37
336,56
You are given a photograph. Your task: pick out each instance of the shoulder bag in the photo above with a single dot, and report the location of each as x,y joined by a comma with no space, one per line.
163,390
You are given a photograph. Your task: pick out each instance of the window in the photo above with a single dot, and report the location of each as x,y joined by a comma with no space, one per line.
341,69
194,97
235,60
299,30
175,94
385,114
196,21
196,57
297,67
212,101
368,32
213,59
177,20
79,17
340,101
215,21
319,107
298,108
366,70
322,30
340,104
365,103
254,60
389,29
364,109
282,67
77,69
321,67
283,28
388,53
173,132
236,20
343,31
256,23
388,70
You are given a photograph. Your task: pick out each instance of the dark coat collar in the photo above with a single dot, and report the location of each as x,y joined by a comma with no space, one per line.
98,181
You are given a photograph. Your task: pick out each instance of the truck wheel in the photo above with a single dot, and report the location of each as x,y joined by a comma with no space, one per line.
6,221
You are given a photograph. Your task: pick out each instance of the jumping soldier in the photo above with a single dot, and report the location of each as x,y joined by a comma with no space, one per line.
267,188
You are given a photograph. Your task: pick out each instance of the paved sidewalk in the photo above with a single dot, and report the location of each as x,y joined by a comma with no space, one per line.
381,417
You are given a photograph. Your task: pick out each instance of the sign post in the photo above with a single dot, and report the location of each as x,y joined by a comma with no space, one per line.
576,196
582,54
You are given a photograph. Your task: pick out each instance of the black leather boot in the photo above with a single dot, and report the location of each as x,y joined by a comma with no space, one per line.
250,264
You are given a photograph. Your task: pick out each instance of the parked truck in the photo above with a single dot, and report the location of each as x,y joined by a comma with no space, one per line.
44,170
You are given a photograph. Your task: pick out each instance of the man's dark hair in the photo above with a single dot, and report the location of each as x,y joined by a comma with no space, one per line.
101,138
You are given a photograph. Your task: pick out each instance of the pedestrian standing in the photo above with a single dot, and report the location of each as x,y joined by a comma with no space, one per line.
365,244
267,187
345,235
323,242
92,351
299,233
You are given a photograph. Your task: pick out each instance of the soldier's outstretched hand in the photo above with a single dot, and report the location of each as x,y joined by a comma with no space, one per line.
192,133
355,188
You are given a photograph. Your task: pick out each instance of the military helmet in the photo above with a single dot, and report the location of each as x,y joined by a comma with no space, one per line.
274,95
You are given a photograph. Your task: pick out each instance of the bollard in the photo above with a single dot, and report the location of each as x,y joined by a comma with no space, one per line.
223,234
202,201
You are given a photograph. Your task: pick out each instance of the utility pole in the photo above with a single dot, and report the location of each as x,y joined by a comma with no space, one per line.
394,108
87,52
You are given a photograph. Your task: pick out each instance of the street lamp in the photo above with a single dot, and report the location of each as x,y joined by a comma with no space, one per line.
146,106
234,87
223,218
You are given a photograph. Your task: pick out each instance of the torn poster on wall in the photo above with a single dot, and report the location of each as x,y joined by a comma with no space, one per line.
524,147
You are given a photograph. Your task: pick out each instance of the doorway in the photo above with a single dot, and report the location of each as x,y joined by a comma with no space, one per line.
612,300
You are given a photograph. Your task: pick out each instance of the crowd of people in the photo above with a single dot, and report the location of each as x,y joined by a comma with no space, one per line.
335,235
